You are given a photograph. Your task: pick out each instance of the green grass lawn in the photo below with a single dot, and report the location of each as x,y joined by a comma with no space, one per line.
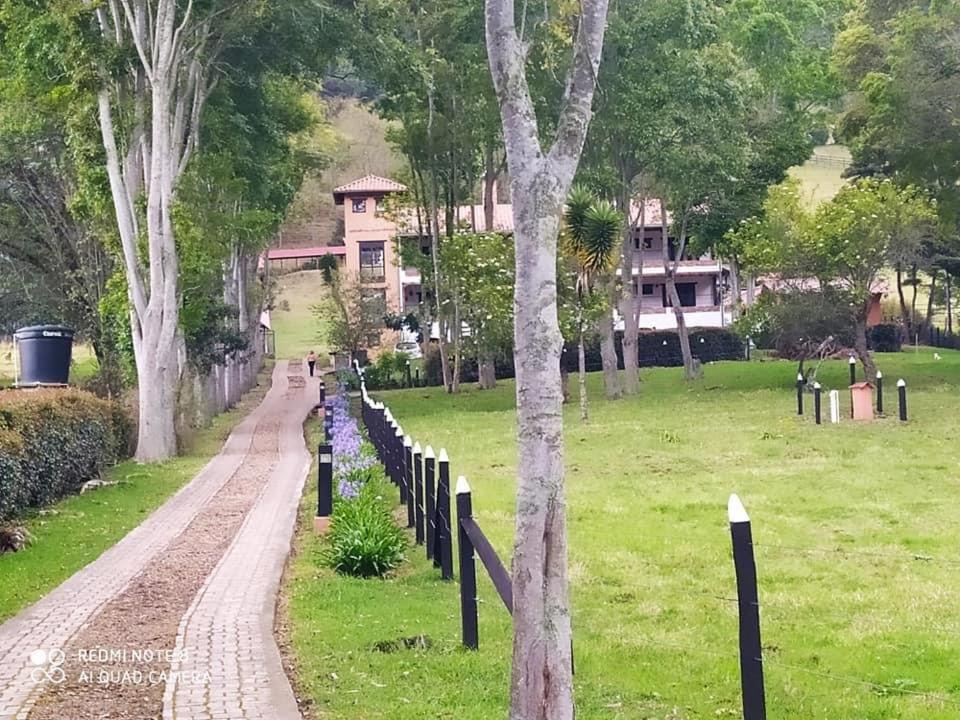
298,329
75,531
857,549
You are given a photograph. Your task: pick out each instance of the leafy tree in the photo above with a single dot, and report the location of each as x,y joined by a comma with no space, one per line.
591,240
844,245
353,316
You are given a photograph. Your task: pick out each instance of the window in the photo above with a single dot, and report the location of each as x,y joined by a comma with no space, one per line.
359,205
646,243
371,262
688,294
647,290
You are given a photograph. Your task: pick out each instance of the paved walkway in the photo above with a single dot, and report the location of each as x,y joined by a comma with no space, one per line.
225,663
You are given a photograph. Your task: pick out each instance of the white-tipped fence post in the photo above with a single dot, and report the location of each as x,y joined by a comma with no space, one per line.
430,509
444,521
396,451
853,369
902,395
468,569
408,477
418,492
816,402
800,383
748,601
879,393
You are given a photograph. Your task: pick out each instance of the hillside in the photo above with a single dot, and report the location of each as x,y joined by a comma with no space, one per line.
360,149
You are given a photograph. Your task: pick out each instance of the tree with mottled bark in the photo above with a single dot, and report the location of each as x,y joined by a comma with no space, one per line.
540,179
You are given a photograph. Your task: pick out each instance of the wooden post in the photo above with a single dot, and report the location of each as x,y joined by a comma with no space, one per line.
816,402
834,406
902,392
751,658
408,479
444,522
468,569
429,492
853,369
321,523
800,384
417,454
879,393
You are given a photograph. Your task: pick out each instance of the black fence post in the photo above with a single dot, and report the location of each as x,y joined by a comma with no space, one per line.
800,383
816,402
853,369
409,376
902,392
468,569
418,493
429,492
328,423
444,526
325,481
418,377
398,465
408,480
879,393
751,658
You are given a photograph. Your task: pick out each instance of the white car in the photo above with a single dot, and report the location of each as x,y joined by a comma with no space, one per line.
410,349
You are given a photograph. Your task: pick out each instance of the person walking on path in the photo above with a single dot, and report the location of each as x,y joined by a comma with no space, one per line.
311,361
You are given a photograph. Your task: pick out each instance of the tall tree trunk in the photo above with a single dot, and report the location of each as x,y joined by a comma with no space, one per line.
629,296
541,682
582,373
914,330
457,333
948,287
736,302
904,312
435,242
608,347
860,345
489,187
933,289
690,371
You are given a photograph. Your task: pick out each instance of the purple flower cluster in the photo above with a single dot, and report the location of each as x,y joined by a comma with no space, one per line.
352,457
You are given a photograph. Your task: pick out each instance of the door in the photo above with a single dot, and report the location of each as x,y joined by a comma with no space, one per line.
688,294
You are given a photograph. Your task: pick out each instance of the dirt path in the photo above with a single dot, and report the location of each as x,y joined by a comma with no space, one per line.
176,620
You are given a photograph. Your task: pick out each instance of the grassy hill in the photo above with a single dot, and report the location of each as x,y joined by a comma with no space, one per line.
298,329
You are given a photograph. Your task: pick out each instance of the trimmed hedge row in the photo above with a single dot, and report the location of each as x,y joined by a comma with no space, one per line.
657,349
885,338
52,441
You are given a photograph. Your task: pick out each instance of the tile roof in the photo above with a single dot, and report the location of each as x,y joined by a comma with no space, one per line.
370,183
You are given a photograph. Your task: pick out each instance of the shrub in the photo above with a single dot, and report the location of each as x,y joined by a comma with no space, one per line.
884,338
53,441
364,539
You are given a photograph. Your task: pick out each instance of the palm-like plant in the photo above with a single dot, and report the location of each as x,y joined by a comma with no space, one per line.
591,236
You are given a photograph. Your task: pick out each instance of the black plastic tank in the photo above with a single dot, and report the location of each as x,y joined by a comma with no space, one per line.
44,352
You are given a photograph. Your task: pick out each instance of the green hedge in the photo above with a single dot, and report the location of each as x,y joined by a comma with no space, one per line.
52,441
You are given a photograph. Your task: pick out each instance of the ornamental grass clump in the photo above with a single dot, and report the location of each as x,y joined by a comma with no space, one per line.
364,539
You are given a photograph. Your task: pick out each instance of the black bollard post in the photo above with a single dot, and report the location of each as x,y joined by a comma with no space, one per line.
748,600
417,454
444,526
325,481
429,509
468,569
409,376
800,384
408,479
902,392
853,369
418,377
816,402
879,393
328,423
323,392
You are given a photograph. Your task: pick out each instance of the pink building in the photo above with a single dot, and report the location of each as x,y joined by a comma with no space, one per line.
369,253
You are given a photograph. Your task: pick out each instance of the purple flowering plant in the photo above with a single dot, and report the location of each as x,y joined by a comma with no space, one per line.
354,459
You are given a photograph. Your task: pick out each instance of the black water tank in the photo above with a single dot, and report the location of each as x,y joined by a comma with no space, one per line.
44,352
